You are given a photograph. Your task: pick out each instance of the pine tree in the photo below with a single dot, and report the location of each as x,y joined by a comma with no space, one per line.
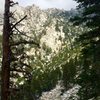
89,78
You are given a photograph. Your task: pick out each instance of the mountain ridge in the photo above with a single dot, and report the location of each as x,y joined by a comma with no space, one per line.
44,26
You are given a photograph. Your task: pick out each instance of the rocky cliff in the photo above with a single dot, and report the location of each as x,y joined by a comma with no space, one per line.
47,27
45,24
52,29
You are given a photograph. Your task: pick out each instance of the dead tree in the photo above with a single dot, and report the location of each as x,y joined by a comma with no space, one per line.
6,54
8,57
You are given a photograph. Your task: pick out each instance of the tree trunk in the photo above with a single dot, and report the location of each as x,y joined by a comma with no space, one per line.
6,54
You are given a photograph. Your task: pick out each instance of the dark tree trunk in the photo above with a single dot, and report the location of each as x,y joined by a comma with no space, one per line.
6,54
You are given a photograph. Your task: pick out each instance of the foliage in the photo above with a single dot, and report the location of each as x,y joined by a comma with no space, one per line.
39,74
90,43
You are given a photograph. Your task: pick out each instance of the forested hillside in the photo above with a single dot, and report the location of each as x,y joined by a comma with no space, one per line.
52,54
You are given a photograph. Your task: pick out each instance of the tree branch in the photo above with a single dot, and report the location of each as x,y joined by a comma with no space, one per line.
18,70
25,42
19,21
22,33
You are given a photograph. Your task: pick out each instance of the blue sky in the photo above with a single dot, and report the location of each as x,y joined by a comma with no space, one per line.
62,4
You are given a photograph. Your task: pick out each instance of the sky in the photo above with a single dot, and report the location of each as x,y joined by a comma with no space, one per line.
62,4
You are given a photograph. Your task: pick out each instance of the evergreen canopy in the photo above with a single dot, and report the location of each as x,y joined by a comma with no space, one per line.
89,79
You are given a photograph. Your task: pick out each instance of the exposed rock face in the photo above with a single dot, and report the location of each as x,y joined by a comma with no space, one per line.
44,23
48,28
35,17
1,22
57,94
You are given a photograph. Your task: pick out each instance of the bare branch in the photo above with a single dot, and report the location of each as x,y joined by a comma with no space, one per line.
13,3
24,42
19,21
26,65
22,33
18,70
